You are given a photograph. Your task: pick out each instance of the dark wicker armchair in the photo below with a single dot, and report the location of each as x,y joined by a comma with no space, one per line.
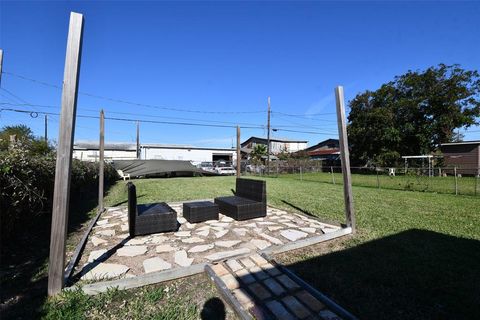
249,201
149,218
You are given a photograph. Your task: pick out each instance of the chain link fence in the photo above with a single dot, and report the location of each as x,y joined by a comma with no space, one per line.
448,180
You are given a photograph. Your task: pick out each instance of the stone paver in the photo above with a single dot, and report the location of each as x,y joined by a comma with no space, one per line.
279,311
106,233
201,248
94,255
155,264
310,301
328,315
227,254
105,271
293,235
234,265
98,241
209,241
260,244
227,243
131,251
274,286
182,259
296,307
164,248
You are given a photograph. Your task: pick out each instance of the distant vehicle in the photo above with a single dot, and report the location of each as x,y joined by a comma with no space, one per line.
207,166
225,170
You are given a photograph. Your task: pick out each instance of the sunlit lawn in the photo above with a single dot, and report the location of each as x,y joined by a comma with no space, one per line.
415,255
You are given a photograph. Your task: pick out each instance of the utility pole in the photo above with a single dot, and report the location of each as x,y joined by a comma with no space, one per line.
46,129
239,154
1,63
138,140
268,138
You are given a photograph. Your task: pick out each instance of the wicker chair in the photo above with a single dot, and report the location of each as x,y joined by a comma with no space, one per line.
149,218
249,201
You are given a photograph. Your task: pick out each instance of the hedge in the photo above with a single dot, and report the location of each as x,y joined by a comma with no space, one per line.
26,187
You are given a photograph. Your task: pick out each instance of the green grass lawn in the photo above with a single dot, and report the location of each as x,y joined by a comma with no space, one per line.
415,255
411,182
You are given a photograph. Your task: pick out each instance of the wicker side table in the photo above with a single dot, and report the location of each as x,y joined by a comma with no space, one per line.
200,211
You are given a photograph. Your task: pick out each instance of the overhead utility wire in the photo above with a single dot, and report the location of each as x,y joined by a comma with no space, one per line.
129,113
131,102
35,114
164,117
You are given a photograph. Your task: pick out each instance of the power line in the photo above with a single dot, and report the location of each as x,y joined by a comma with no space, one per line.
129,113
169,108
35,114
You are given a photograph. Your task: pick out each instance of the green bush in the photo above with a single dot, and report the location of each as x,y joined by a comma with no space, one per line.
27,181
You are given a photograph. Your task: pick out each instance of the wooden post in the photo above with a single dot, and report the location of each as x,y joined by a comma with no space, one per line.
333,176
239,154
138,142
268,137
101,163
61,195
46,129
378,179
1,63
456,180
345,156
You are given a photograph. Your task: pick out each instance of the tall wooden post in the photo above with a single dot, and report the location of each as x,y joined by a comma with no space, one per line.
61,195
268,137
138,140
46,129
101,163
239,153
345,156
1,63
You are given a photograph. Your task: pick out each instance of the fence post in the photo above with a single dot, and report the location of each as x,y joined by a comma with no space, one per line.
301,176
333,176
477,176
101,178
456,180
239,154
345,157
61,194
378,179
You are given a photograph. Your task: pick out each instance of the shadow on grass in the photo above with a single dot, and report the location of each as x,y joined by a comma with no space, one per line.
310,214
24,261
415,274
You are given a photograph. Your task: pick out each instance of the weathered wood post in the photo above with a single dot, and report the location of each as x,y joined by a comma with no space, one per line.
1,63
61,195
138,142
456,180
239,154
101,163
345,157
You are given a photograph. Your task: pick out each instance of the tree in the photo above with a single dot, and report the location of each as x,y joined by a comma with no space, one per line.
413,114
24,139
258,151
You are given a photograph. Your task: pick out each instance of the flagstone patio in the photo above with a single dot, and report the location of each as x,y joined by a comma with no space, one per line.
110,253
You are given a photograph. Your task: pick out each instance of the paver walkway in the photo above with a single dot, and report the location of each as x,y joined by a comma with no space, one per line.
110,253
265,291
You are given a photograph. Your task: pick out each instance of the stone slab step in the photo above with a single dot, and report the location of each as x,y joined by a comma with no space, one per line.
260,289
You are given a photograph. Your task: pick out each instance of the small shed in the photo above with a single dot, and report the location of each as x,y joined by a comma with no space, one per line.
464,155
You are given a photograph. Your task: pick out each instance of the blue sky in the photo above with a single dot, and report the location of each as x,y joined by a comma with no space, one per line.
224,57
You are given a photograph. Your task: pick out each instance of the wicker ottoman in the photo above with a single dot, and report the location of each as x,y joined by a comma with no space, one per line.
200,211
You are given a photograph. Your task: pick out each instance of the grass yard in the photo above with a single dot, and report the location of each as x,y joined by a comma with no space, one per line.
411,182
415,255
